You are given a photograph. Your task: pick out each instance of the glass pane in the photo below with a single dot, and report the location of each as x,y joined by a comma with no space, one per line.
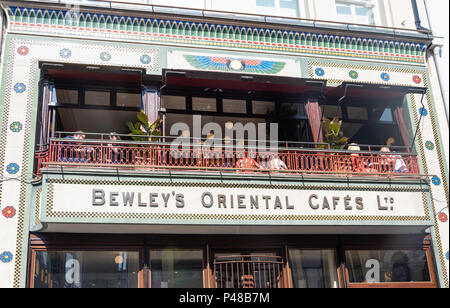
375,266
364,15
292,110
357,113
204,104
289,8
264,108
65,96
265,3
331,111
173,268
86,269
382,114
344,12
313,268
97,98
234,106
266,7
174,102
127,99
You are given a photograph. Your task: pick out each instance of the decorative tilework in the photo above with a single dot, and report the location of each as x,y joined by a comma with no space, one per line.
12,168
216,33
429,145
385,77
16,127
19,87
65,53
417,79
443,217
145,59
353,74
9,212
234,64
423,111
105,56
23,50
436,181
319,72
6,257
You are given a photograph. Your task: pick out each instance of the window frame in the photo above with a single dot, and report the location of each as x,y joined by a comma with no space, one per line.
373,4
277,9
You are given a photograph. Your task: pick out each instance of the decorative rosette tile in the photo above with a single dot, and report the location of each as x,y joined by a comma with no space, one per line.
436,181
19,87
353,74
23,50
146,59
319,72
416,79
105,56
443,217
16,127
423,112
385,77
6,257
12,168
65,53
9,212
429,145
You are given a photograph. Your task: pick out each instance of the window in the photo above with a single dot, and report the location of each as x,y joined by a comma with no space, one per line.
357,11
313,268
387,266
286,8
174,268
86,269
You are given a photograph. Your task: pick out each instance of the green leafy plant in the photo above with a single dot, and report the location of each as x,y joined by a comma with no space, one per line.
145,128
333,134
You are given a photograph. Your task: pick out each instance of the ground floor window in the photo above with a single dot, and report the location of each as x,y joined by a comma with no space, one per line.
219,261
86,269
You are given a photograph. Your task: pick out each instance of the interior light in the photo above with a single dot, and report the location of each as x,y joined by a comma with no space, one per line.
118,259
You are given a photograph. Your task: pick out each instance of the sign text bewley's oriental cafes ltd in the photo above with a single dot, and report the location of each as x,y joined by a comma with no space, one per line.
233,201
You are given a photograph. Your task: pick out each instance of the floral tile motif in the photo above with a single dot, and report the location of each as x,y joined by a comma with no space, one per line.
16,127
416,79
436,181
23,50
146,59
105,56
6,257
353,74
429,145
385,77
319,72
65,53
443,217
423,112
9,212
12,168
19,87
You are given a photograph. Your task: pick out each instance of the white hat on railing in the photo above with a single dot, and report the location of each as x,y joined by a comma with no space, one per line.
353,147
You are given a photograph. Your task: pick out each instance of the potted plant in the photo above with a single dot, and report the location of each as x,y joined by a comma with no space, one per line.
336,140
149,132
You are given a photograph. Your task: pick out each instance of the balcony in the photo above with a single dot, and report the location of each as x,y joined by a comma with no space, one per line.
163,153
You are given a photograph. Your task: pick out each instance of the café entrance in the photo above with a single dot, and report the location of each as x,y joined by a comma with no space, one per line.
250,269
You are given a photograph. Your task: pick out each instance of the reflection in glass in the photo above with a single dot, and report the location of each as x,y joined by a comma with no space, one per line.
234,106
65,96
263,108
86,269
127,99
173,268
204,104
97,98
174,102
387,266
313,268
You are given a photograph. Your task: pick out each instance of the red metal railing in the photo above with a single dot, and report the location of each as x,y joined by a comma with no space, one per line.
249,272
160,155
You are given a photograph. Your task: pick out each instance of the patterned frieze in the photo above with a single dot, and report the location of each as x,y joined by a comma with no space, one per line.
96,25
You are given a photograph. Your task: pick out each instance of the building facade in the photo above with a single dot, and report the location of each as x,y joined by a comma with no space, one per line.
246,144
